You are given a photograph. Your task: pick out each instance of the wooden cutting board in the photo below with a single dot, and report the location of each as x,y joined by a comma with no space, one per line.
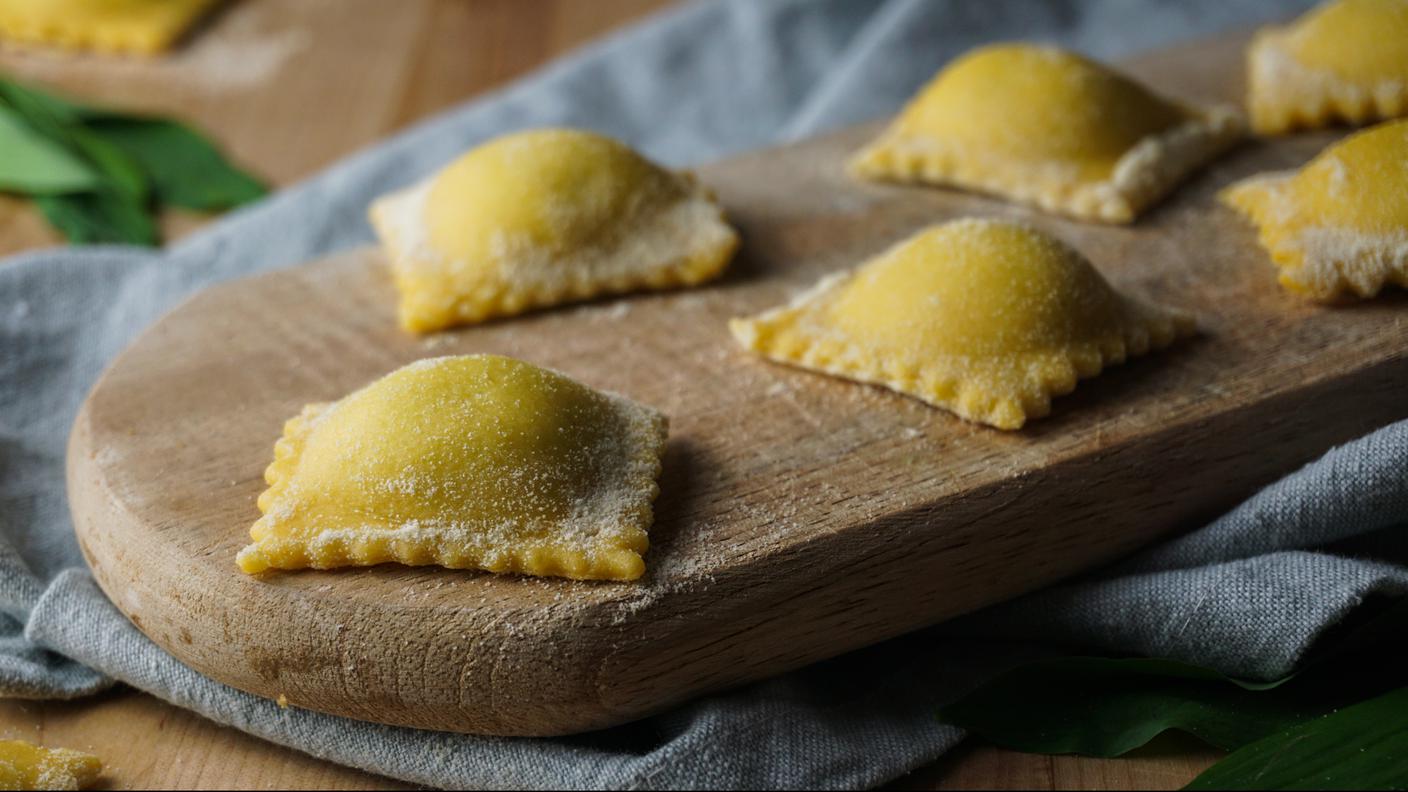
800,516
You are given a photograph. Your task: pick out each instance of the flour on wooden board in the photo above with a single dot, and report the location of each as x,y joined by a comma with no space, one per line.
238,52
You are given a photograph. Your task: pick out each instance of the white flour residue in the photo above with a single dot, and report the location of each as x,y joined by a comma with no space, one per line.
437,341
19,311
617,311
238,51
777,389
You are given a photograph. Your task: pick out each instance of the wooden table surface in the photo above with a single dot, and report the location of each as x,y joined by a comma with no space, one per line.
288,87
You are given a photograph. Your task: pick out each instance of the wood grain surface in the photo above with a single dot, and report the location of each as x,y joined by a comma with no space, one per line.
433,53
800,516
291,86
147,744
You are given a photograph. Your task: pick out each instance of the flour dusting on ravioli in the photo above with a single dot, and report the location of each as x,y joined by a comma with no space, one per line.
1337,227
987,319
469,462
1048,127
544,217
1345,61
143,27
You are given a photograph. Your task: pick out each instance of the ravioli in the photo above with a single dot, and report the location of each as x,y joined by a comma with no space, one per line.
986,319
544,217
132,26
27,766
1338,227
469,462
1345,61
1044,126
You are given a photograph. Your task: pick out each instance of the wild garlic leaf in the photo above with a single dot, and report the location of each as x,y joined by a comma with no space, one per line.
33,164
100,217
35,100
184,168
1097,706
134,164
62,123
1363,746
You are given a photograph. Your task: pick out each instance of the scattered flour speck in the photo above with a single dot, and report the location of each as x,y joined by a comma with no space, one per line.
435,341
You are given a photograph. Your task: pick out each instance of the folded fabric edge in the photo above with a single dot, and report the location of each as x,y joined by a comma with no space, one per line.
437,759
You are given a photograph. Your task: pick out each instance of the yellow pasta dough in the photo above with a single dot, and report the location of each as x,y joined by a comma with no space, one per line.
137,26
986,319
1048,127
27,766
544,217
470,462
1339,225
1344,61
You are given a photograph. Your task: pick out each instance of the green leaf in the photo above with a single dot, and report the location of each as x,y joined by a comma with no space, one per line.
50,105
59,107
104,216
61,122
1364,746
31,163
185,169
182,167
127,161
122,172
1330,725
1107,707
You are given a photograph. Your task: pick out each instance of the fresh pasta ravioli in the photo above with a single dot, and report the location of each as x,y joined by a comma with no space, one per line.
137,26
1345,61
1044,126
27,766
543,217
986,319
469,462
1337,227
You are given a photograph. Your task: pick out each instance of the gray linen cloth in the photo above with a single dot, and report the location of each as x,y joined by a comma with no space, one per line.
1247,594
